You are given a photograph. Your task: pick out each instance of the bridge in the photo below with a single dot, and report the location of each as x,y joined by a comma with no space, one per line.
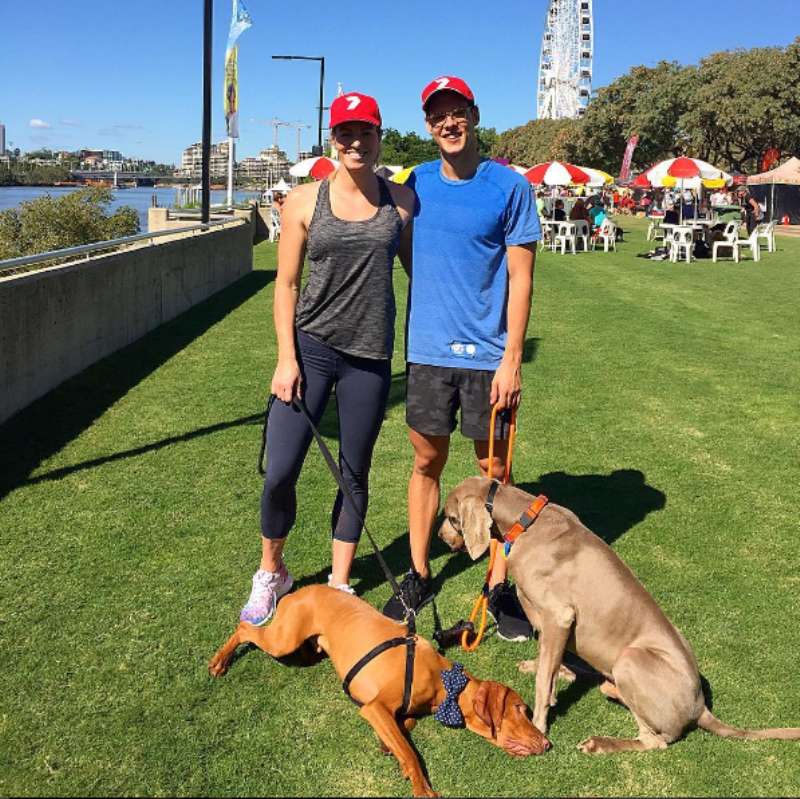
113,176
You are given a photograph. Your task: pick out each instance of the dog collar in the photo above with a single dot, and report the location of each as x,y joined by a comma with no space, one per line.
454,681
493,489
527,518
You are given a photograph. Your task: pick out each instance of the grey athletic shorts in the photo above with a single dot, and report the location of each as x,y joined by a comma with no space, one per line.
435,393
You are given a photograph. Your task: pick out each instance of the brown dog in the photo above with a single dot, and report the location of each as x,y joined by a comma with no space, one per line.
580,596
346,628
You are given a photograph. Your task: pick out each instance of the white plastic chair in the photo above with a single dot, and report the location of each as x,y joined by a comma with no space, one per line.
582,232
654,231
728,242
275,224
565,237
766,230
607,233
682,241
752,243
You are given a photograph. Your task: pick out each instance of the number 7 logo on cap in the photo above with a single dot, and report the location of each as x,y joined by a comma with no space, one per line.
442,82
352,102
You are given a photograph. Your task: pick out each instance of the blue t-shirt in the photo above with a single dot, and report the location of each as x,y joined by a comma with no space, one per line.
459,283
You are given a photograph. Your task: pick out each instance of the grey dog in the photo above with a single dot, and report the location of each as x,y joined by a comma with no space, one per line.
580,596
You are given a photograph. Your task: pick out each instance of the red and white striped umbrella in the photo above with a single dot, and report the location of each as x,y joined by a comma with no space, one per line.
318,168
556,173
685,169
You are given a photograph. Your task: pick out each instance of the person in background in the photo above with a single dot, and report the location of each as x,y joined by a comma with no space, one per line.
671,216
578,211
337,333
541,204
751,210
558,212
597,211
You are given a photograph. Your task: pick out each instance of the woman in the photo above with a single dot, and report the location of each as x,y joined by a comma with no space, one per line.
579,212
338,333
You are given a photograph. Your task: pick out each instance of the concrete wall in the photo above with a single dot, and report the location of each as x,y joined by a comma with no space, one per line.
169,219
57,321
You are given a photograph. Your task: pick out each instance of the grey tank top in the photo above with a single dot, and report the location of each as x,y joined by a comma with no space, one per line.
348,300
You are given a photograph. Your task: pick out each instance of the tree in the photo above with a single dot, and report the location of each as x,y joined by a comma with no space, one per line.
537,141
49,223
647,101
407,149
745,102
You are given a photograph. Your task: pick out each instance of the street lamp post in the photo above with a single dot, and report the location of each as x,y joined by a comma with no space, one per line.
318,149
205,181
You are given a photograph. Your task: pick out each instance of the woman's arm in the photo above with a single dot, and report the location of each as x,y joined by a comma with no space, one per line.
291,254
404,199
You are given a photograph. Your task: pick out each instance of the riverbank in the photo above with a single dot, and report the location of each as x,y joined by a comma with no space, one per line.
140,198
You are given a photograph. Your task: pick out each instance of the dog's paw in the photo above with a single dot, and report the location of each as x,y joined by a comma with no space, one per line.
217,666
528,666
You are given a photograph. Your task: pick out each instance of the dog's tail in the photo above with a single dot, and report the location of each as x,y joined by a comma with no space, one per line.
711,723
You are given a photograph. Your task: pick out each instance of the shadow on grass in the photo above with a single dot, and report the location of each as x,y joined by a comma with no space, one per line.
608,504
57,474
48,424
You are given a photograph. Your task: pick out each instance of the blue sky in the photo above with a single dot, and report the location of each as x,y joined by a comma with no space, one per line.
126,75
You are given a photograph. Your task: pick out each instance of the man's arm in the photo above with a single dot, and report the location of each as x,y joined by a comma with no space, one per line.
507,382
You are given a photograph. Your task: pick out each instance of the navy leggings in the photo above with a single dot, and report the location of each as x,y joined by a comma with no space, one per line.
362,388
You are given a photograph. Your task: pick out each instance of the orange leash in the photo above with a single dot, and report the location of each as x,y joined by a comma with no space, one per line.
482,602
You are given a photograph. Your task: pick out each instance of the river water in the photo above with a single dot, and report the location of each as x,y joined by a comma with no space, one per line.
140,198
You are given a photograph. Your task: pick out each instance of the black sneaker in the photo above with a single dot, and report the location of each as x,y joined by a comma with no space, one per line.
417,592
504,608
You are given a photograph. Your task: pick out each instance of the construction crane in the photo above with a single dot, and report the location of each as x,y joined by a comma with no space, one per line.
276,123
298,126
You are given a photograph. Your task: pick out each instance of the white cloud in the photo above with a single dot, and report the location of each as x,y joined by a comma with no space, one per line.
39,123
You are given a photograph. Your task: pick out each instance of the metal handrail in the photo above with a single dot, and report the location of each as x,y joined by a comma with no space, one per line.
27,260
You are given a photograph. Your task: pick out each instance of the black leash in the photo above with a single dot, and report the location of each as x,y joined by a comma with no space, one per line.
445,638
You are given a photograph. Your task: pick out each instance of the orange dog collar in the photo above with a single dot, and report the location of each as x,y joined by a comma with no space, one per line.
527,518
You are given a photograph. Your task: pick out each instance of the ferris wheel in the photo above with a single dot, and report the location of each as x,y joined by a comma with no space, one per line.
565,63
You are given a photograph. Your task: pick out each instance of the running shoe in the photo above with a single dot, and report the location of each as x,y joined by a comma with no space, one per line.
504,608
417,591
341,587
268,588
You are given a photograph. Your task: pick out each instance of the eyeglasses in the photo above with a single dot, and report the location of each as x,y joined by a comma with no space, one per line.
458,115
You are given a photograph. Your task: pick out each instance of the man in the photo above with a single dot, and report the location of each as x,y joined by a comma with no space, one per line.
472,257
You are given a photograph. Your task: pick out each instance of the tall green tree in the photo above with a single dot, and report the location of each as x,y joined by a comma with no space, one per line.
745,102
410,149
406,149
647,101
537,141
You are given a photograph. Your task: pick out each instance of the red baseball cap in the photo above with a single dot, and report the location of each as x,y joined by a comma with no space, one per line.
447,83
355,107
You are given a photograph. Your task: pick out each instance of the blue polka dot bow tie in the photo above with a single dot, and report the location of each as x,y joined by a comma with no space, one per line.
454,681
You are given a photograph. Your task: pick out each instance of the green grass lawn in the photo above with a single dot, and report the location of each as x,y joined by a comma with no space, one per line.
660,403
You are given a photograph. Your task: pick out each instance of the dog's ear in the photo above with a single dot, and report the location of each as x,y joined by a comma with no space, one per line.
476,525
489,704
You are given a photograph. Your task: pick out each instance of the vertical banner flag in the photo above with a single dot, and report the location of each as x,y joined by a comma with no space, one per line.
771,157
625,170
240,22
